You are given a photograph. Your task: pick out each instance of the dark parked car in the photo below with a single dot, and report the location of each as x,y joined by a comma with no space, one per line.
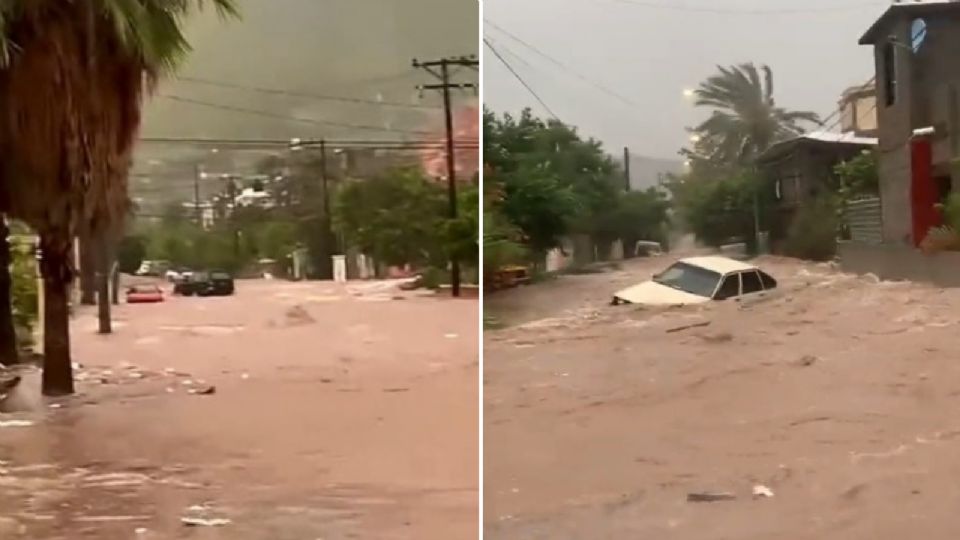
205,284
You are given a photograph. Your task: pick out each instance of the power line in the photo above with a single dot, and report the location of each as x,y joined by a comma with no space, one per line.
519,78
268,144
748,11
560,64
314,121
306,95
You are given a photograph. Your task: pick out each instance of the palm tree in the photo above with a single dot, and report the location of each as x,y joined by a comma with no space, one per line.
745,120
72,78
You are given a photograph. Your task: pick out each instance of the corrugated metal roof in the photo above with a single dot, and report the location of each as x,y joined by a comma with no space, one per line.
819,137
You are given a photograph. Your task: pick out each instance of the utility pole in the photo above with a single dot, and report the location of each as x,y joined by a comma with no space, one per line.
626,168
445,86
328,239
196,194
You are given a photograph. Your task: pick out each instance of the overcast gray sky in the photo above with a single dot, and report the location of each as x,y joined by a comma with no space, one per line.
354,49
650,50
350,48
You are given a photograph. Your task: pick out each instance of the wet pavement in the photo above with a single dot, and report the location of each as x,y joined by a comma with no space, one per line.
289,411
838,398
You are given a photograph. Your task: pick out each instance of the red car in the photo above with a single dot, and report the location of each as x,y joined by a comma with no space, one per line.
144,294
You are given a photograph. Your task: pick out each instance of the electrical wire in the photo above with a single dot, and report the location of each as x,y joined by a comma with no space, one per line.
688,8
560,64
519,78
271,144
257,112
306,95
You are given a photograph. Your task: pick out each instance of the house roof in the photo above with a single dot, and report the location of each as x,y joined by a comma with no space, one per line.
818,137
720,265
872,35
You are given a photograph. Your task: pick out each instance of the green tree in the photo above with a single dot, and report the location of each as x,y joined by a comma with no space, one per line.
858,176
397,218
745,120
723,209
72,79
131,252
553,183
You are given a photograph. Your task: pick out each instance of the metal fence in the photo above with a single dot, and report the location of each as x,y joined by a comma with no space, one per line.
864,220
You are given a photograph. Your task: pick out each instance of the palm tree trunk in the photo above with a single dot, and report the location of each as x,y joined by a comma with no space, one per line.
103,285
115,281
8,333
88,269
55,267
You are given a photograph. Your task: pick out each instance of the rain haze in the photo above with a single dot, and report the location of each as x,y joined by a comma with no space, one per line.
338,69
648,52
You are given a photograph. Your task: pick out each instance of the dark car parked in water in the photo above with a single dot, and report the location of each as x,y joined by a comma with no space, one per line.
205,284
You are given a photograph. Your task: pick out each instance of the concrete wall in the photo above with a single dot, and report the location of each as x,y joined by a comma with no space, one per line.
900,263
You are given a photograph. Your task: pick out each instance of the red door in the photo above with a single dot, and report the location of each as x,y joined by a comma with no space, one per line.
923,191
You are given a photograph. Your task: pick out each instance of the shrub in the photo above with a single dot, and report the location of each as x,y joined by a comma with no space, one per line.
813,232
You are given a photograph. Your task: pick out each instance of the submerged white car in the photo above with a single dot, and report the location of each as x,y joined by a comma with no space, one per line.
698,280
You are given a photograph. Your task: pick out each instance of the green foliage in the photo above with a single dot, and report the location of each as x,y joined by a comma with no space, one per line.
858,176
721,210
745,119
813,232
951,211
460,236
637,215
549,183
400,218
131,252
24,295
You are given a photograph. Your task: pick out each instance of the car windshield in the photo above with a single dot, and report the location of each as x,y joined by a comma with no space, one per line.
688,278
220,275
198,276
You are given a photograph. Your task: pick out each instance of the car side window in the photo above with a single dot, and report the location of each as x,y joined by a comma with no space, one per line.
751,282
729,288
768,281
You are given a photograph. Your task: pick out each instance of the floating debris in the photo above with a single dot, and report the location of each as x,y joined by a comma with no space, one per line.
761,491
15,423
708,496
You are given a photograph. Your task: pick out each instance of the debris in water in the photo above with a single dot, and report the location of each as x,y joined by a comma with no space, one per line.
109,519
15,423
297,315
209,390
761,491
451,336
140,530
708,496
808,360
396,389
204,522
722,337
688,327
244,376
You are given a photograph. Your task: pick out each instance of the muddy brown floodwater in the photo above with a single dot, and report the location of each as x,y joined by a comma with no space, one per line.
840,398
337,412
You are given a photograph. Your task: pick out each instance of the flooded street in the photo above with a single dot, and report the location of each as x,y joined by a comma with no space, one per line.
293,411
837,398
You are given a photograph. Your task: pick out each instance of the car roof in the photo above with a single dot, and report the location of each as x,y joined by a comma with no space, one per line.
721,265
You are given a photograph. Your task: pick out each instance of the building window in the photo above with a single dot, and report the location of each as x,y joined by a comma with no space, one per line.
918,34
890,74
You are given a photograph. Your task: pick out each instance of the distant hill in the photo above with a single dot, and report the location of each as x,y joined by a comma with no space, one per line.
645,171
